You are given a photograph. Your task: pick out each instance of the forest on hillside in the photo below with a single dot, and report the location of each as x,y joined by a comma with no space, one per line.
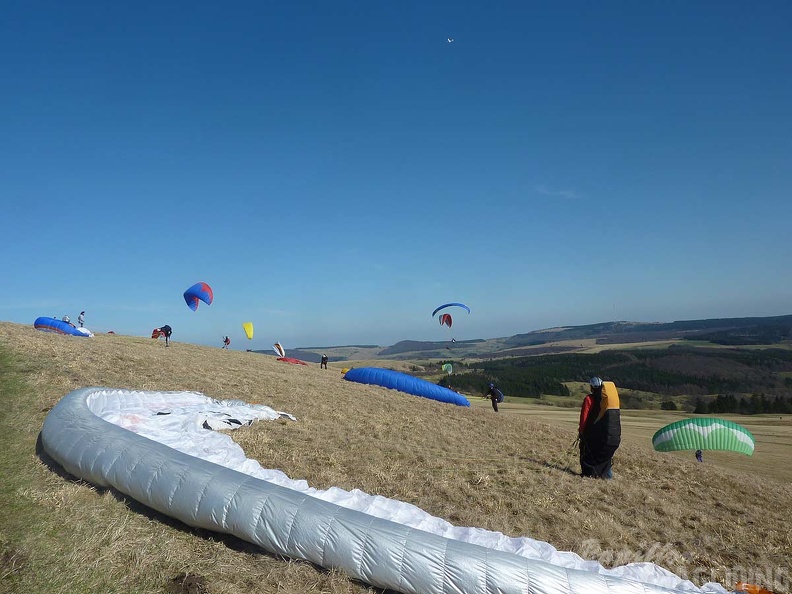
727,331
715,380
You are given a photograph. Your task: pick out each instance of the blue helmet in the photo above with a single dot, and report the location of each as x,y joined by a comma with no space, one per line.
492,385
595,382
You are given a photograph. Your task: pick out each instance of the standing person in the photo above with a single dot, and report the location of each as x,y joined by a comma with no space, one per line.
81,319
495,395
323,364
226,342
599,431
699,455
166,331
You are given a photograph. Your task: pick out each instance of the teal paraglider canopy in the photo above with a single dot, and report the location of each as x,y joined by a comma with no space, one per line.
702,433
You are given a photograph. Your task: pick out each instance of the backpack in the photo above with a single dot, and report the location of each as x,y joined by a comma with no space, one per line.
610,412
610,399
500,395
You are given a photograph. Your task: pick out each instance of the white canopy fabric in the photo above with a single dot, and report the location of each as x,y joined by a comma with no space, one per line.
161,448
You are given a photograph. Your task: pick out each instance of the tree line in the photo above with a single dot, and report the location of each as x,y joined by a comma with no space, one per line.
756,404
674,371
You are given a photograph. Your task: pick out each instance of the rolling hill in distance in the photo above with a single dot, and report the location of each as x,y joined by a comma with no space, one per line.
746,332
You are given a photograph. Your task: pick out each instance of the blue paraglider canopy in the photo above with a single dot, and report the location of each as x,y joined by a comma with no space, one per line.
199,291
395,380
57,326
462,305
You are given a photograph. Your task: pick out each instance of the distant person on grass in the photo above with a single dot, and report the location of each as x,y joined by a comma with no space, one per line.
599,431
323,364
494,394
226,342
166,332
81,319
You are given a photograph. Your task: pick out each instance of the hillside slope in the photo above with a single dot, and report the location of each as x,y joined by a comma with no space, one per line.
506,472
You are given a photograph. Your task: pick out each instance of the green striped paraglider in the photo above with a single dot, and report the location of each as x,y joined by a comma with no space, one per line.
704,434
448,368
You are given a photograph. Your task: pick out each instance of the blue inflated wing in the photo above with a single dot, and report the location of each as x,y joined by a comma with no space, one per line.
403,382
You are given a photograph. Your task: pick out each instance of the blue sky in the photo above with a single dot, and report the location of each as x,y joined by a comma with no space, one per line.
337,170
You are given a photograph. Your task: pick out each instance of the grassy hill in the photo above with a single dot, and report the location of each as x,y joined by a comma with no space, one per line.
514,472
772,330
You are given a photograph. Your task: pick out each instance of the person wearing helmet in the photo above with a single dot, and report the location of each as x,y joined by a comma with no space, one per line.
599,433
494,394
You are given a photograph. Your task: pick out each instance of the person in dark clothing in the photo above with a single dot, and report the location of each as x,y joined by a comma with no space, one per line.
495,395
699,455
599,432
226,342
166,332
323,364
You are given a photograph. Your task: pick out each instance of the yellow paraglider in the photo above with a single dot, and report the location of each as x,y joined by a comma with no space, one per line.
248,328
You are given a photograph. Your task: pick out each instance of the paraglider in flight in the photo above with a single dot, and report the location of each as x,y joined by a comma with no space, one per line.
279,349
248,328
447,368
450,40
198,292
462,305
445,318
704,434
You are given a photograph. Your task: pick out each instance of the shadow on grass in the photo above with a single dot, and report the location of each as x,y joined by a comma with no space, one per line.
562,463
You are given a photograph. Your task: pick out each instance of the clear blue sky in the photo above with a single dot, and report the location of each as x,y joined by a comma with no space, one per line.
336,170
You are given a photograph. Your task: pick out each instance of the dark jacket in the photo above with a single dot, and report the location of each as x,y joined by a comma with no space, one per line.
600,434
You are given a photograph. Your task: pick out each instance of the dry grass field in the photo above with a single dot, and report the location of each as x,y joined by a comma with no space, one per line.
515,472
773,435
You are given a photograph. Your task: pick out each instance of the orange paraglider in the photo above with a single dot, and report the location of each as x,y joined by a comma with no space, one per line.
750,588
